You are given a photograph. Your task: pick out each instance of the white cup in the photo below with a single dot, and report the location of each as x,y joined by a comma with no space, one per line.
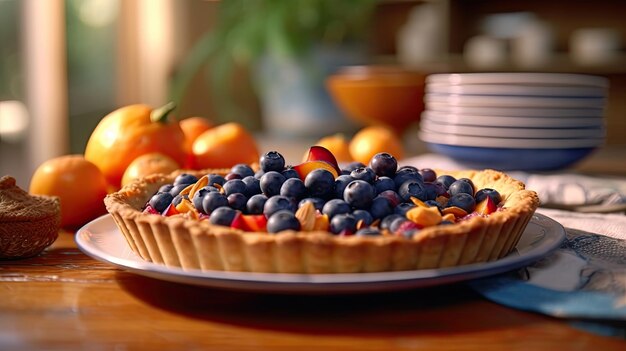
594,46
483,51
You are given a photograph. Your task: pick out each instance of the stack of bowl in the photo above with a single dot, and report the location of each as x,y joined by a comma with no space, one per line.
514,121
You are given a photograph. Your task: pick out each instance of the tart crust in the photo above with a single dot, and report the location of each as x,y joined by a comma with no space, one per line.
192,244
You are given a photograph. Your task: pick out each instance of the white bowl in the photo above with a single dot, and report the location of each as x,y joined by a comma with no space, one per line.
510,143
503,121
515,112
517,90
513,101
506,132
562,79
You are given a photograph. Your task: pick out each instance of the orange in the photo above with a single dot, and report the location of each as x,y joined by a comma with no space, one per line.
339,145
131,131
194,126
224,146
79,184
369,141
147,164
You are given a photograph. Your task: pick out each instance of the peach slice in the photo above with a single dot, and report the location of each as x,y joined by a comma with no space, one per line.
424,216
456,211
170,210
486,206
307,167
250,223
320,153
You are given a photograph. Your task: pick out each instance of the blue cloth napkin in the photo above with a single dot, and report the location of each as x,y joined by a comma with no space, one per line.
583,281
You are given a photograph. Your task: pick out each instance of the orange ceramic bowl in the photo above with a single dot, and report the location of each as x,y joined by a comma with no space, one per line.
375,95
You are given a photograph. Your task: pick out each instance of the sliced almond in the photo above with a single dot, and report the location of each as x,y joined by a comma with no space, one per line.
321,222
306,215
201,183
185,206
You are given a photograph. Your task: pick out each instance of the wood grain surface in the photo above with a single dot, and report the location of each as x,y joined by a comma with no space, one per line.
64,300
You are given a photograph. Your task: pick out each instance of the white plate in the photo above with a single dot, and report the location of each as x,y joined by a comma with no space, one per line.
508,132
563,79
514,101
522,122
516,111
510,143
102,240
521,90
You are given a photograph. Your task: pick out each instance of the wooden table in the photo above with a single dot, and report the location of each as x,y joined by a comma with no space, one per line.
64,300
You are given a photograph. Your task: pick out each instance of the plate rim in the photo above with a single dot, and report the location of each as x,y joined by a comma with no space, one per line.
332,283
559,79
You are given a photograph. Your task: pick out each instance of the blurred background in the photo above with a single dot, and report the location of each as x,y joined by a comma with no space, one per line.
66,64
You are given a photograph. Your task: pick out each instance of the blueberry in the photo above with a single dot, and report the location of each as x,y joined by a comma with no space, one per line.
462,200
428,175
213,200
342,222
383,164
407,168
317,202
385,223
278,203
271,182
368,231
215,179
406,173
231,176
176,189
461,186
294,188
258,174
165,188
234,186
242,169
359,194
352,166
403,208
290,173
334,207
272,161
160,201
256,203
433,203
198,197
341,183
282,220
362,215
178,199
381,207
237,201
320,183
445,180
253,186
393,197
384,183
432,190
364,173
488,192
185,178
413,188
222,216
